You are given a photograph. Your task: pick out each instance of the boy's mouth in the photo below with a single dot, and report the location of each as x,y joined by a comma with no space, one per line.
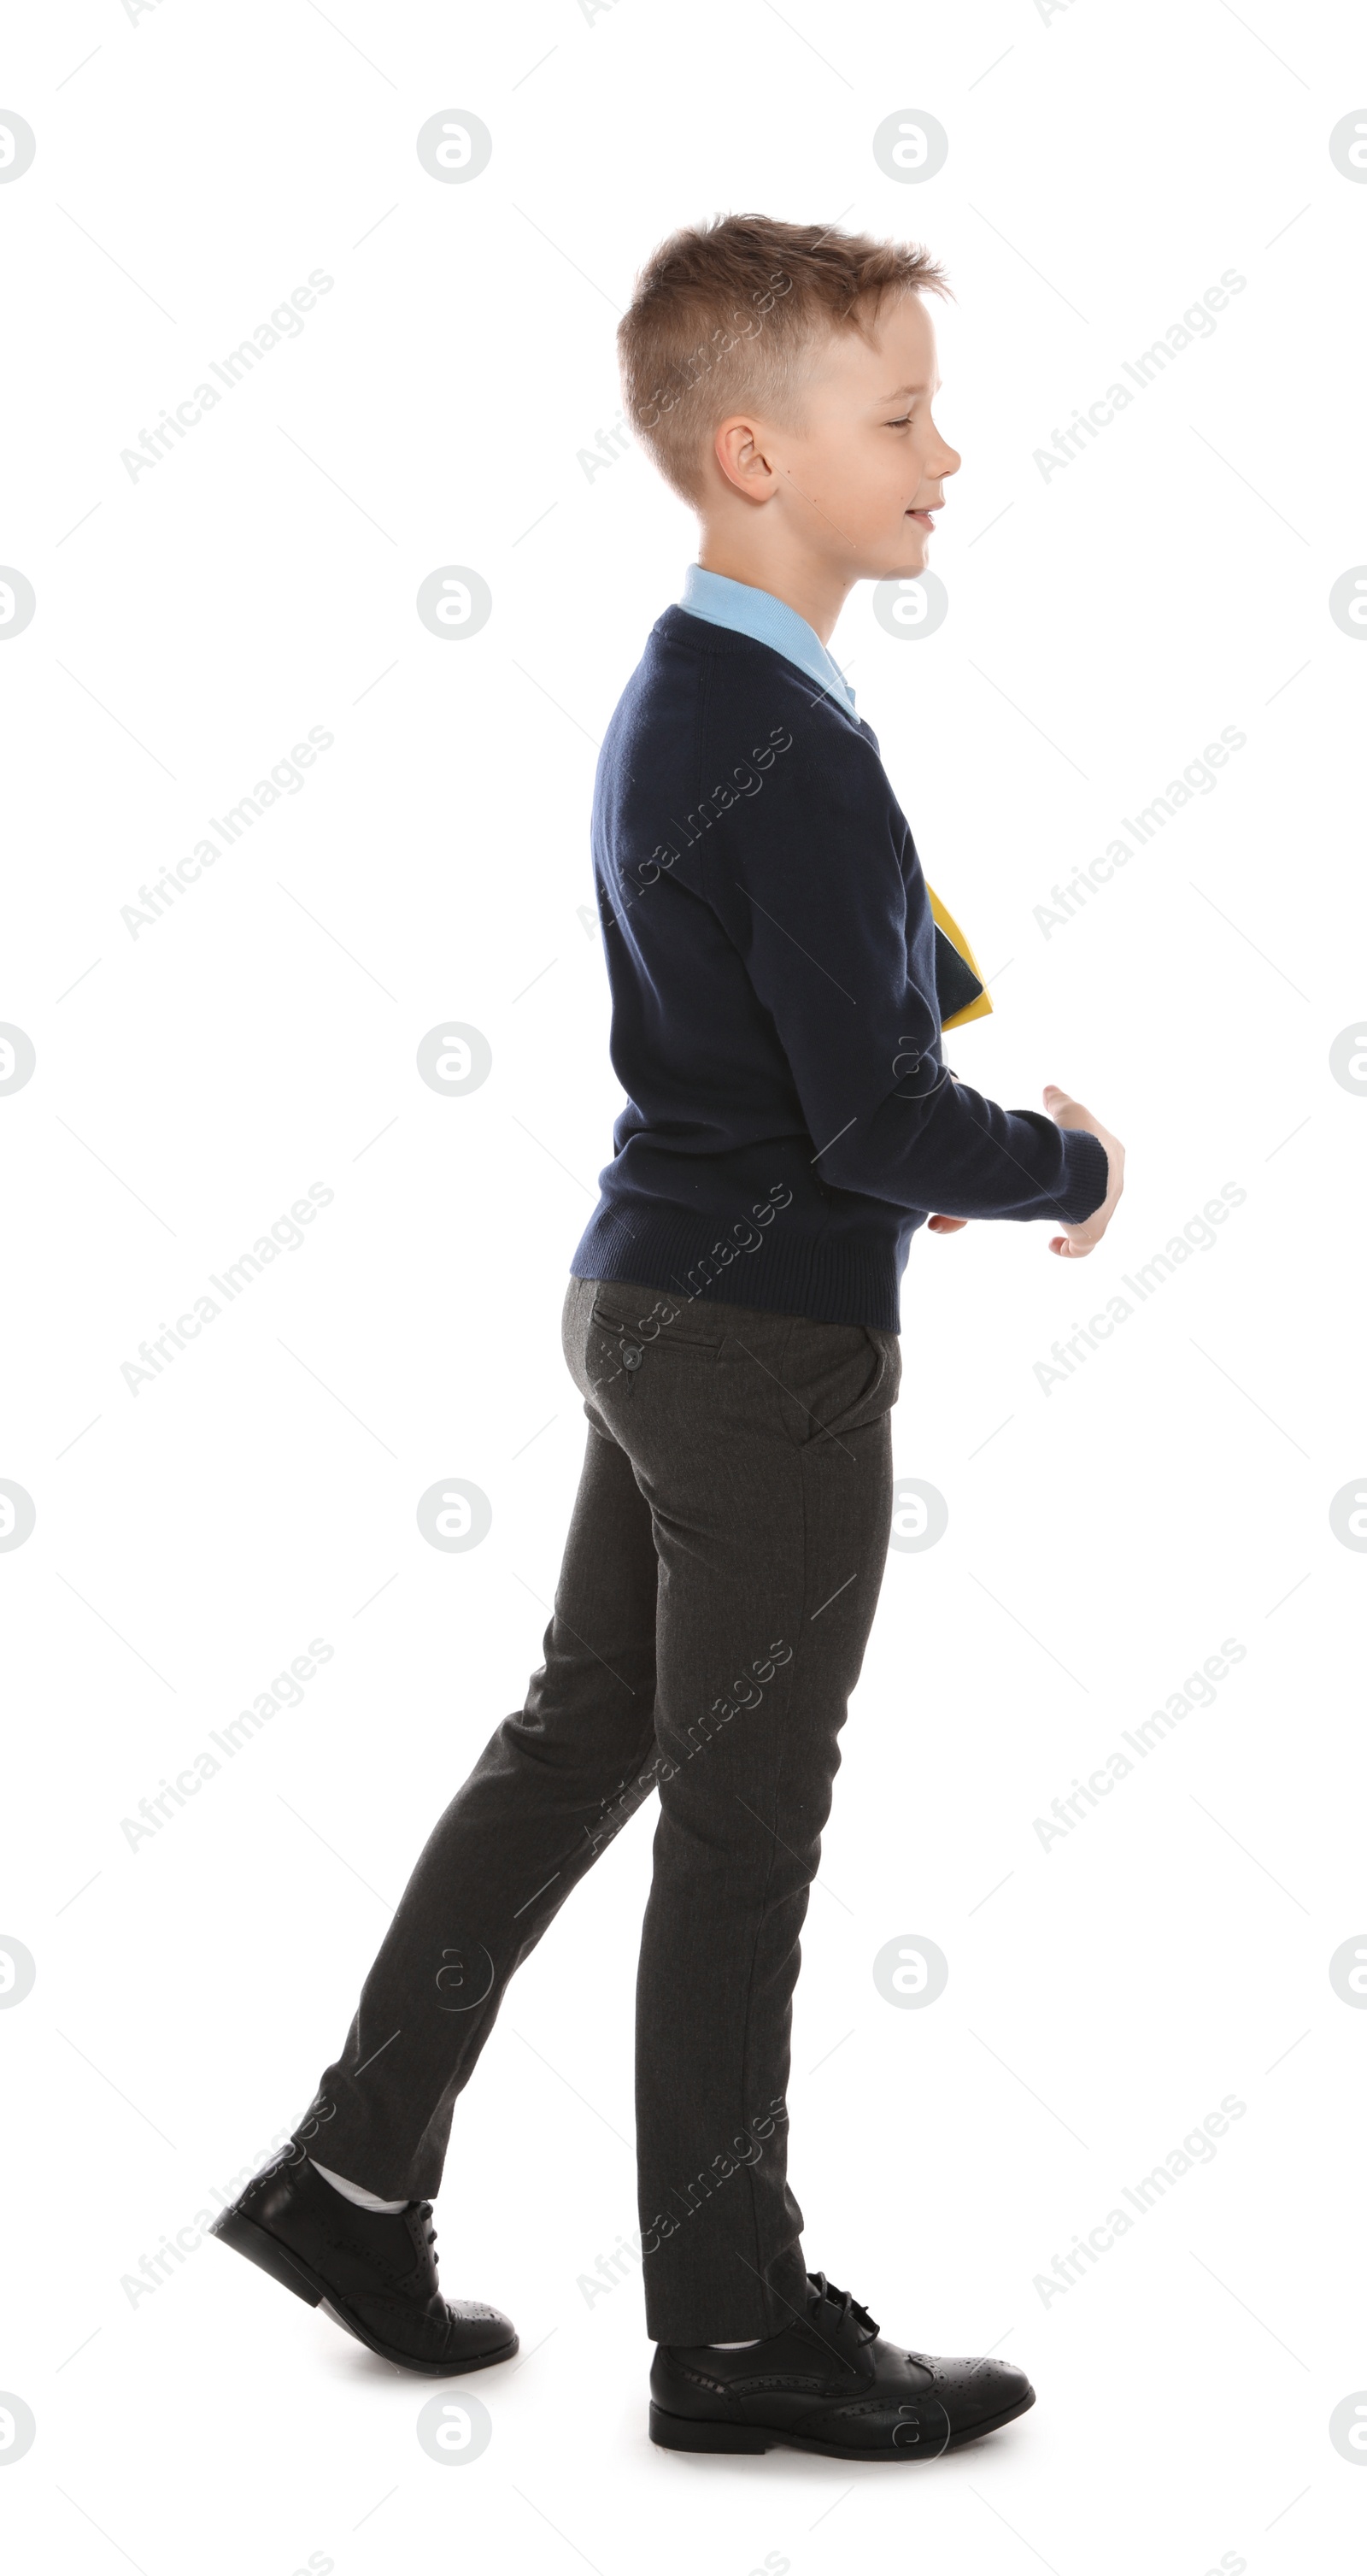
926,517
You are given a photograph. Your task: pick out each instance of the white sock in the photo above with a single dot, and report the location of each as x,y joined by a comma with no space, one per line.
353,2191
742,2346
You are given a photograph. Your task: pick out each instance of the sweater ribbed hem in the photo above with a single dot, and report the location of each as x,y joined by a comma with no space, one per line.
853,1279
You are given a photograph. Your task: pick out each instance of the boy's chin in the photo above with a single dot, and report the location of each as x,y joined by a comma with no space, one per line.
911,559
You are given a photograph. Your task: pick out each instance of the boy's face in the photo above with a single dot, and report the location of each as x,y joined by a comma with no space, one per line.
857,480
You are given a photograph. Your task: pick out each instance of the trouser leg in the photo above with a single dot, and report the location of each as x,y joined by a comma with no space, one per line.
554,1783
763,1444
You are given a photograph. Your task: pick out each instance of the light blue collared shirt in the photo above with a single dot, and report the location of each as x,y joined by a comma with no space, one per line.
758,613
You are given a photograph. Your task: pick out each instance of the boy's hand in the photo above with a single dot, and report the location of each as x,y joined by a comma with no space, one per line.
945,1224
1076,1240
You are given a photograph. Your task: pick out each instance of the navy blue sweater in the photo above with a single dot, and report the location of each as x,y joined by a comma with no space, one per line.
790,1120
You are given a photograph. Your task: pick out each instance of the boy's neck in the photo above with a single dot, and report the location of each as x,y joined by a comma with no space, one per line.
815,590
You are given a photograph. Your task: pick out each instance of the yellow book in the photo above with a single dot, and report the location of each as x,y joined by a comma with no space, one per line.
963,994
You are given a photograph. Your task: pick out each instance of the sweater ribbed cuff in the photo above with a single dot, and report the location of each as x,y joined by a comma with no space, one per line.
1089,1174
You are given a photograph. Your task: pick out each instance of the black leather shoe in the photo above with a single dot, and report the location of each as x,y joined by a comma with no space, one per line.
828,2383
372,2272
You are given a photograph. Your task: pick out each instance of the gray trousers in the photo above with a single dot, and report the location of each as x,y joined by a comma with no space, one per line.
719,1581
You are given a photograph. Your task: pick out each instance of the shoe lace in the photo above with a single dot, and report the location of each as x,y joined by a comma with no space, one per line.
424,2216
846,2303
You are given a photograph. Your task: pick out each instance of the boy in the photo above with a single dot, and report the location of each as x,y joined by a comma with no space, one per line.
732,1325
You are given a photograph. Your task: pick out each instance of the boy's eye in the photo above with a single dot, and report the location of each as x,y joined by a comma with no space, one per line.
899,424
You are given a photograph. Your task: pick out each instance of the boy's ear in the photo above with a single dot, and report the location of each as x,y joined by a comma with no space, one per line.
738,449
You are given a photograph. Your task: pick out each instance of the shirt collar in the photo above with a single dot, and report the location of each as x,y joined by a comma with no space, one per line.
757,613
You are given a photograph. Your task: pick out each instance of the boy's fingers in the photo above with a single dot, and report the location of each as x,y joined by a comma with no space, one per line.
945,1224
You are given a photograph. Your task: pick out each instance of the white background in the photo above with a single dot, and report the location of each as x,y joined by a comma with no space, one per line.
1106,165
